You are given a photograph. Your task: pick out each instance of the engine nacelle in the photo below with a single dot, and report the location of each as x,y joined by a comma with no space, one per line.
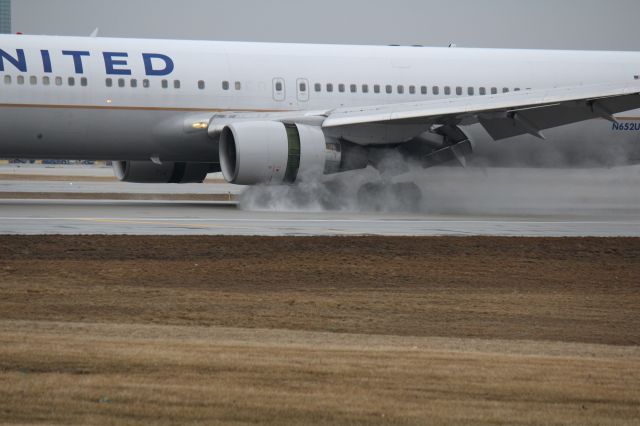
276,153
167,172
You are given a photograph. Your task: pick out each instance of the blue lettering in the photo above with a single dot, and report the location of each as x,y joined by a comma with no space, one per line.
46,61
110,63
148,64
20,62
77,59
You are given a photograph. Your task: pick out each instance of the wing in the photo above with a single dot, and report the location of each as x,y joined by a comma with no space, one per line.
503,115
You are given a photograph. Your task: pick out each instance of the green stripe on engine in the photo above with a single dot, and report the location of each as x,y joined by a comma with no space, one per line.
293,161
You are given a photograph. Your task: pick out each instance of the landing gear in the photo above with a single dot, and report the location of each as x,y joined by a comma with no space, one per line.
385,196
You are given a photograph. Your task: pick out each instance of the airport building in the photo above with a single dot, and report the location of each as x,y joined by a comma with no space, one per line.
5,16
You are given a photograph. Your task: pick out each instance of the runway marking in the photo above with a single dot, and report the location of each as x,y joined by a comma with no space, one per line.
156,221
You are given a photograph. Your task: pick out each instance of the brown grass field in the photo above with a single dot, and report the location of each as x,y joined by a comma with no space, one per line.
345,330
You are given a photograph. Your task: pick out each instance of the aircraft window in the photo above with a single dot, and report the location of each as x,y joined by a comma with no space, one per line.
201,84
341,88
400,89
389,89
423,90
225,85
176,84
353,88
71,81
33,80
303,86
58,81
46,81
7,79
109,82
447,90
412,90
329,87
84,82
376,88
121,82
494,90
318,87
238,86
20,79
471,91
146,83
517,89
365,88
483,91
165,84
505,90
459,91
435,90
134,82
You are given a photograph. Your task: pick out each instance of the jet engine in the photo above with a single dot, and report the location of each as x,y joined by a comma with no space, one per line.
166,172
278,153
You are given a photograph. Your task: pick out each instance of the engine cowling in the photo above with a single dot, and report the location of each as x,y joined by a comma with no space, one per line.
276,153
167,172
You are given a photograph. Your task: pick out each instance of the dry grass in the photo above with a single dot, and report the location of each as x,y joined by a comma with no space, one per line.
86,373
115,330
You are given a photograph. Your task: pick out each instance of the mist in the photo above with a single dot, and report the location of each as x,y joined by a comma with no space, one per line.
582,170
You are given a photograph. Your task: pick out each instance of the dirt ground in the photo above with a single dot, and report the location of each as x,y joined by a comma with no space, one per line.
324,330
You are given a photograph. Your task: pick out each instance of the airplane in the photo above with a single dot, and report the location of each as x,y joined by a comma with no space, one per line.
170,111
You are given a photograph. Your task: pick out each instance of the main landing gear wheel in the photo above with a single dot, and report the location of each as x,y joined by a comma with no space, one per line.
383,196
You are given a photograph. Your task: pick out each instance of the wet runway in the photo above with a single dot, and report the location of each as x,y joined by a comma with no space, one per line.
191,218
501,202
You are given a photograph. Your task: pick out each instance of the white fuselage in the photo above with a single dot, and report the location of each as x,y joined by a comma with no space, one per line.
105,98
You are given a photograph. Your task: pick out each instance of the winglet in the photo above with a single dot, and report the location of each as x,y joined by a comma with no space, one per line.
95,32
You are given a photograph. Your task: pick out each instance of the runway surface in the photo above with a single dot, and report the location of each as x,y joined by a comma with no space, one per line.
500,202
32,217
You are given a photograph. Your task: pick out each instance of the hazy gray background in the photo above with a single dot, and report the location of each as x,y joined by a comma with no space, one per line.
570,24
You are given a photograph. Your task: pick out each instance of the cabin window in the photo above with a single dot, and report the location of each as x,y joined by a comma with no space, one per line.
376,88
412,90
365,88
176,84
109,82
33,80
165,84
471,91
302,86
84,82
134,83
121,82
71,81
517,89
146,83
225,85
238,86
483,91
58,81
435,90
389,89
329,87
20,79
201,85
46,80
447,90
459,91
505,90
318,87
7,79
341,88
400,89
423,90
353,88
494,90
